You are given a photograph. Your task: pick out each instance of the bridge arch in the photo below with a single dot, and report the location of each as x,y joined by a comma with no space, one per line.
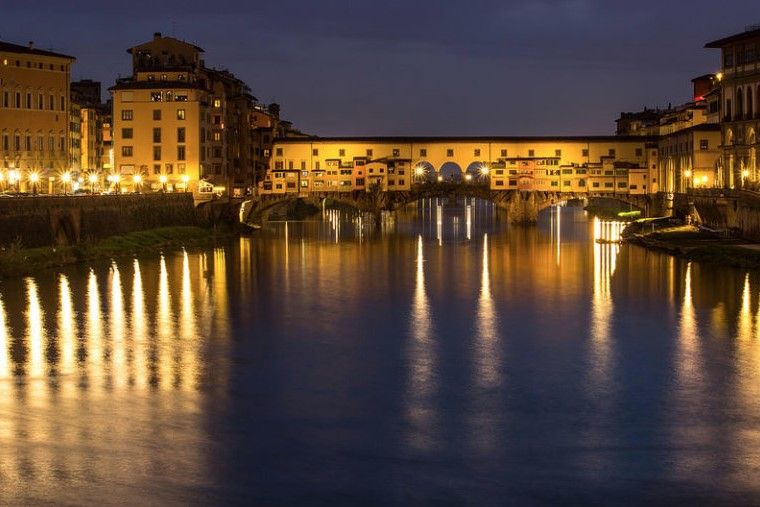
451,172
424,172
478,170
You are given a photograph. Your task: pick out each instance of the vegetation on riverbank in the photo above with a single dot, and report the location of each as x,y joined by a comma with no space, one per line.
692,243
16,260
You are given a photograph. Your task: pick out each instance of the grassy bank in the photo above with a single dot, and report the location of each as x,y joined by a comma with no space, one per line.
691,243
17,260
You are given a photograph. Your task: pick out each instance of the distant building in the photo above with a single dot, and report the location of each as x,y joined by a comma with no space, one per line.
34,117
740,100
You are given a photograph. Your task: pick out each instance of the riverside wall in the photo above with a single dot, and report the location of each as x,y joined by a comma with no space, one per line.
35,221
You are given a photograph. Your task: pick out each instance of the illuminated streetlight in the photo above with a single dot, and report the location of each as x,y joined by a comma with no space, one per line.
138,182
484,170
745,173
185,180
440,178
719,76
34,177
468,177
14,179
163,180
65,178
92,178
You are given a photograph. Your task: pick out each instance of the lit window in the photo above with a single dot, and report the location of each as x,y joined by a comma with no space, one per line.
180,114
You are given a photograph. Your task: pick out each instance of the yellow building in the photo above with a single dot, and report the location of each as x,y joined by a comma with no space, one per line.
608,164
177,124
690,158
740,106
34,118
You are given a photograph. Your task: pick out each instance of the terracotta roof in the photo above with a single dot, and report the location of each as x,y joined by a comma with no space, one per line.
734,38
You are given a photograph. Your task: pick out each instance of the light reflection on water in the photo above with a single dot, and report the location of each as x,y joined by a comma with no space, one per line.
445,351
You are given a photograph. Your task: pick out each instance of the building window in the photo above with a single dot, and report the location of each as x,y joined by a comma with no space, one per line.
704,144
169,169
156,114
557,153
126,114
315,152
126,133
180,168
278,152
28,100
126,151
612,152
180,134
503,153
180,114
40,102
156,168
6,99
157,134
217,102
423,152
477,152
181,152
396,152
531,153
449,152
18,100
156,153
63,103
28,142
341,153
369,152
217,136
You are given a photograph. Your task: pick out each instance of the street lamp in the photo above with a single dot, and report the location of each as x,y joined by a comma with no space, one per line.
34,177
185,180
687,173
65,178
2,180
138,181
14,179
745,173
163,180
468,177
92,178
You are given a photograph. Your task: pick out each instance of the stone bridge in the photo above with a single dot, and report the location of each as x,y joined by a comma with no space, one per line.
522,207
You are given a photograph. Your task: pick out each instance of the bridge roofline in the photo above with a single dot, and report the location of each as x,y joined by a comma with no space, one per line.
462,139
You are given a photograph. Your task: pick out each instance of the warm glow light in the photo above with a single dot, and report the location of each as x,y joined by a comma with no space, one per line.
137,178
419,170
116,178
162,178
66,177
687,173
468,177
704,180
34,177
93,177
185,178
484,170
719,76
440,178
745,173
13,175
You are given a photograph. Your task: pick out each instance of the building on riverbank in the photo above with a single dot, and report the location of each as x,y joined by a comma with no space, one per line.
34,117
740,101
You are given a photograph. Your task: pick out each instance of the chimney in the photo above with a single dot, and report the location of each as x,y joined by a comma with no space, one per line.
31,44
156,35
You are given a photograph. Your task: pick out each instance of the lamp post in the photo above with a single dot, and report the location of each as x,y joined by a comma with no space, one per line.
92,178
163,180
13,179
687,173
745,174
34,178
117,183
185,181
65,178
138,183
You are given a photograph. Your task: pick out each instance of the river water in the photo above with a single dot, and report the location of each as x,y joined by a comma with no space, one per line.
447,358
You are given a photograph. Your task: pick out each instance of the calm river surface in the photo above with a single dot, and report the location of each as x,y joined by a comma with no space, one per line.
447,359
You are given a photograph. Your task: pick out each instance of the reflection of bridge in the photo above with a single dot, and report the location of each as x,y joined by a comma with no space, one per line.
520,206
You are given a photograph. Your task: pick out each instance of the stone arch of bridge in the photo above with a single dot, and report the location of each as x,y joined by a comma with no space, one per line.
451,172
424,171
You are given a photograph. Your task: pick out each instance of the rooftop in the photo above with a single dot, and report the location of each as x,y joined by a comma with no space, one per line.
750,33
30,50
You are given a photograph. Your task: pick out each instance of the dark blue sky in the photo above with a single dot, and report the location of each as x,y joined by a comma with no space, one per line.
425,67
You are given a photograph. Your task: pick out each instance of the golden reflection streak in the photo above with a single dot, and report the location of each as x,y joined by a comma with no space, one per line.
35,330
139,328
421,362
67,327
744,327
559,232
439,222
118,327
606,248
5,342
164,328
187,330
468,219
94,328
487,358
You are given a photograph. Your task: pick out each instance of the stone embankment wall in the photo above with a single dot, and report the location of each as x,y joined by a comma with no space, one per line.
70,220
725,209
